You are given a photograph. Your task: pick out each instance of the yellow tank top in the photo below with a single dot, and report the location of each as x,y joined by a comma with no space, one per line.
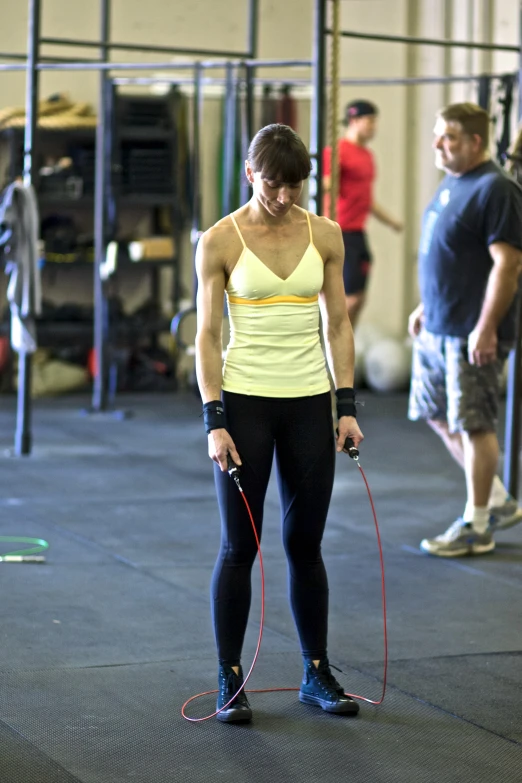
275,348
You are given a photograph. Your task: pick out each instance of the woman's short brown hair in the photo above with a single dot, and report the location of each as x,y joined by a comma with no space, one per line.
279,153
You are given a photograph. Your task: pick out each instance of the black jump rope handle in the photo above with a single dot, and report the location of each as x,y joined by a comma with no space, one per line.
232,468
353,452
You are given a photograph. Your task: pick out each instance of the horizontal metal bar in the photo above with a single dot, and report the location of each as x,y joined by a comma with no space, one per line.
172,66
133,47
151,80
99,66
117,66
412,80
278,63
12,56
217,64
13,67
44,58
428,41
104,66
408,80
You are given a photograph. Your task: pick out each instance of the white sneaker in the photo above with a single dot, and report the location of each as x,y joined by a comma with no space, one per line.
505,516
459,540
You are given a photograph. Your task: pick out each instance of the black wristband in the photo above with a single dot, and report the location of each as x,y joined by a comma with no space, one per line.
345,393
345,398
214,416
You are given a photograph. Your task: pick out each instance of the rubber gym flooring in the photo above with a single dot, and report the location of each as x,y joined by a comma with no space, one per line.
101,645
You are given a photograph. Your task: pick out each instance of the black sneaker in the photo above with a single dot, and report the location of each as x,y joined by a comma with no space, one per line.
319,687
230,683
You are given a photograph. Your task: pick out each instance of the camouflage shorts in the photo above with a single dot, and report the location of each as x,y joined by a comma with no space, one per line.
445,386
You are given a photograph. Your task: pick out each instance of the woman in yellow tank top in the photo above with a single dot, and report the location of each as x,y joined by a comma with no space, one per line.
280,269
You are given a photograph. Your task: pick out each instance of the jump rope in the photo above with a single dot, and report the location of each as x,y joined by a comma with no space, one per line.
234,473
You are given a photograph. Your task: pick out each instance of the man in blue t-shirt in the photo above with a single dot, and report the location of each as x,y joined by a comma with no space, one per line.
469,263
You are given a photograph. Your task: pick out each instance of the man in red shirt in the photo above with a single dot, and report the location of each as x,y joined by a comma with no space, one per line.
355,199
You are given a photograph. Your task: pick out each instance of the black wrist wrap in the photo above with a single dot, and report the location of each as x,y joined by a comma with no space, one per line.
345,402
214,416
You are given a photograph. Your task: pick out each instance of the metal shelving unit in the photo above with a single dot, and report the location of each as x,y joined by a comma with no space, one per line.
79,144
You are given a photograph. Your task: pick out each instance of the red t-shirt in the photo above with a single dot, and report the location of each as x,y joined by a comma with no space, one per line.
357,173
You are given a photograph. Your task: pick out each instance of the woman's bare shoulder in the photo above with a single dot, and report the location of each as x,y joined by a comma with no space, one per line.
219,232
219,237
327,235
218,245
324,227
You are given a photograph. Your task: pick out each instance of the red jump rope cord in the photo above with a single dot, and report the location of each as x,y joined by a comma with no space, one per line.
262,621
383,599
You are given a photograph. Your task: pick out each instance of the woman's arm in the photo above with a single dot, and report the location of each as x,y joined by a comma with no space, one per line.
210,270
210,267
338,334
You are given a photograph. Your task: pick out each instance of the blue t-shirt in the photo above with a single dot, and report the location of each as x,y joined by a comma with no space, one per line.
467,214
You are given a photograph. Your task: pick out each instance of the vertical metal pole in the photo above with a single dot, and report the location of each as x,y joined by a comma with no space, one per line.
514,384
335,50
520,60
512,430
470,54
446,52
197,121
253,19
31,90
318,105
23,436
229,139
249,97
101,319
246,131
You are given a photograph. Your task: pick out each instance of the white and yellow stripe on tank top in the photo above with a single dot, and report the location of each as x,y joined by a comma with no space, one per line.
275,348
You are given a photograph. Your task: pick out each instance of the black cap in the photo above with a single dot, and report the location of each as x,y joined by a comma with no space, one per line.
359,109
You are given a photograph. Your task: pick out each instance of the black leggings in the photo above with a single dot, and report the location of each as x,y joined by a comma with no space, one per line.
301,431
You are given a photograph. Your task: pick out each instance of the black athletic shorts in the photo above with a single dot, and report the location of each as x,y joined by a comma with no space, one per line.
357,260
